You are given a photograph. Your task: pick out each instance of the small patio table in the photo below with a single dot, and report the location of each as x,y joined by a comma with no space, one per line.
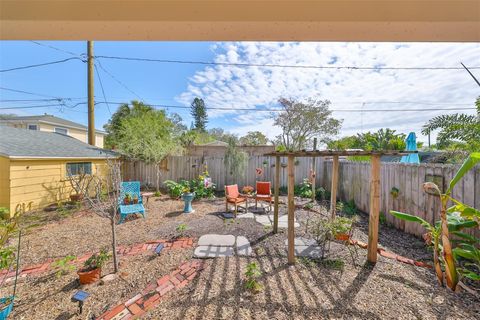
147,195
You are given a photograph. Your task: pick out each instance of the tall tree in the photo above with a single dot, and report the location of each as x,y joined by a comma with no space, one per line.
254,138
199,114
123,112
150,136
460,127
302,121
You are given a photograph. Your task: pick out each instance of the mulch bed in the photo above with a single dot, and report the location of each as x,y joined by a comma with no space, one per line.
333,288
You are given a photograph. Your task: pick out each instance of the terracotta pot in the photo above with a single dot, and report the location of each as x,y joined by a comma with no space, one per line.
88,277
126,201
76,197
135,200
342,236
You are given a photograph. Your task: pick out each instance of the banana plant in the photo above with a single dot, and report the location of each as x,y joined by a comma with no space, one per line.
451,220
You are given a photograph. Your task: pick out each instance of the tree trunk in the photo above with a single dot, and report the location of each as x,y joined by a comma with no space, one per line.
158,177
114,245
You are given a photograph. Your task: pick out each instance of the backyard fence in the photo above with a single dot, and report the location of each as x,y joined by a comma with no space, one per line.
401,184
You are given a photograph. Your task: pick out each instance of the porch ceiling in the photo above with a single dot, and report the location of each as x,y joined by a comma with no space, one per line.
340,20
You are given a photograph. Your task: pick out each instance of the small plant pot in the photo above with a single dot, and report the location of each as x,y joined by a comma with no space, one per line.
283,165
187,198
88,277
6,308
135,201
76,197
342,236
126,201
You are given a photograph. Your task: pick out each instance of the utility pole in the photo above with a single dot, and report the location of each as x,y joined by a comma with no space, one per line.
91,101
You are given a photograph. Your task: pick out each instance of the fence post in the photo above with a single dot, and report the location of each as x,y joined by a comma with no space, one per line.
374,209
333,199
276,192
291,210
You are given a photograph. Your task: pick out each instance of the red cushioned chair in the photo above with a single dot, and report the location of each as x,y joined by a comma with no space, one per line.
233,196
264,193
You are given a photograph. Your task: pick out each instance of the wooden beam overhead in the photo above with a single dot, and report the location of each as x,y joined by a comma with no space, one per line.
222,20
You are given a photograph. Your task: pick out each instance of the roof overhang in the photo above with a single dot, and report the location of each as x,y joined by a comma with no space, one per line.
58,158
340,20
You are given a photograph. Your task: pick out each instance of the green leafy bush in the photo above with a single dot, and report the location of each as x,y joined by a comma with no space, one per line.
349,208
304,190
64,265
97,260
253,272
176,189
321,194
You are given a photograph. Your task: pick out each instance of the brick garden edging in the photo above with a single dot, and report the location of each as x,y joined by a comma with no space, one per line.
152,294
391,255
121,251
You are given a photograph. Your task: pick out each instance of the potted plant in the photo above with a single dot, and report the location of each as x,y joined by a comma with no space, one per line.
135,199
187,196
92,268
127,199
341,228
247,190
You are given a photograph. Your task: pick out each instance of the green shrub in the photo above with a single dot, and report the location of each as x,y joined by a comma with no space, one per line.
252,273
304,190
176,189
64,265
321,194
349,208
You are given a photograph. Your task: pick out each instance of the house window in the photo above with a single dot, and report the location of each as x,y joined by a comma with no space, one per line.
32,127
61,130
76,168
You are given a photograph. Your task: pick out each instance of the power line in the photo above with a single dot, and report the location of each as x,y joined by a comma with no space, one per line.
103,91
28,92
41,64
44,106
280,110
118,81
55,48
275,65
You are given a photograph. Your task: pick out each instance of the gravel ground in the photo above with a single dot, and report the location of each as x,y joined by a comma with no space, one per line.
334,288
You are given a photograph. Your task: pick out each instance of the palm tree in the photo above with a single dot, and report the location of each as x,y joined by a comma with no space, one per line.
459,126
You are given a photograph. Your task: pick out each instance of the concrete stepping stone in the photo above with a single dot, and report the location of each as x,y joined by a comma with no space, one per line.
306,248
248,215
217,240
243,246
228,215
212,252
267,220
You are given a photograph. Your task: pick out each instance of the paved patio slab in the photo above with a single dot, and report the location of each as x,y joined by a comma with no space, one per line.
306,248
212,252
243,246
217,240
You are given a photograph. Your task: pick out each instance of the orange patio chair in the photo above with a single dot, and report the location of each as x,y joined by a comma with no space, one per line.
233,196
264,193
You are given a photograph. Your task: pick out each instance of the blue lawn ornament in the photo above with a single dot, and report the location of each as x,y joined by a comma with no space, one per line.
133,189
8,309
411,146
159,249
80,297
188,197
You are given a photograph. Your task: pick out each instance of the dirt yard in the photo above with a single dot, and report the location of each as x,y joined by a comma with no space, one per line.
332,288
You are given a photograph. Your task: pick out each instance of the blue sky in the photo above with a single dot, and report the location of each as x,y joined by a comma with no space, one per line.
250,88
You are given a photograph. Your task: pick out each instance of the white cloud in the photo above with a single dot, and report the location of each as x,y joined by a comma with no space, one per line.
248,88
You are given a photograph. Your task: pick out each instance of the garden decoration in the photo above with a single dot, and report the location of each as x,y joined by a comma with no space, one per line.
80,296
92,268
453,220
159,249
187,197
259,171
129,191
394,192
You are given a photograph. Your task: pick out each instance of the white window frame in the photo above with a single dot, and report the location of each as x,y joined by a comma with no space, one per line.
32,124
61,128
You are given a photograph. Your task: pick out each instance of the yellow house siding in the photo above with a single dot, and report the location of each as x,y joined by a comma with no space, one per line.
4,182
74,133
35,184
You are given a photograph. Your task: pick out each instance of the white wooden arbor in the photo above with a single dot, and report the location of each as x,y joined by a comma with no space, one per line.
374,192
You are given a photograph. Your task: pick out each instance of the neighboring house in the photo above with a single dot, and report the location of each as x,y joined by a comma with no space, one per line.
218,149
34,166
51,123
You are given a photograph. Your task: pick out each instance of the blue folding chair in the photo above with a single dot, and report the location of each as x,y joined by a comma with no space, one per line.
133,189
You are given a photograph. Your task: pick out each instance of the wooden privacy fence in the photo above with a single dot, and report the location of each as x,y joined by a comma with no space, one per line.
353,182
